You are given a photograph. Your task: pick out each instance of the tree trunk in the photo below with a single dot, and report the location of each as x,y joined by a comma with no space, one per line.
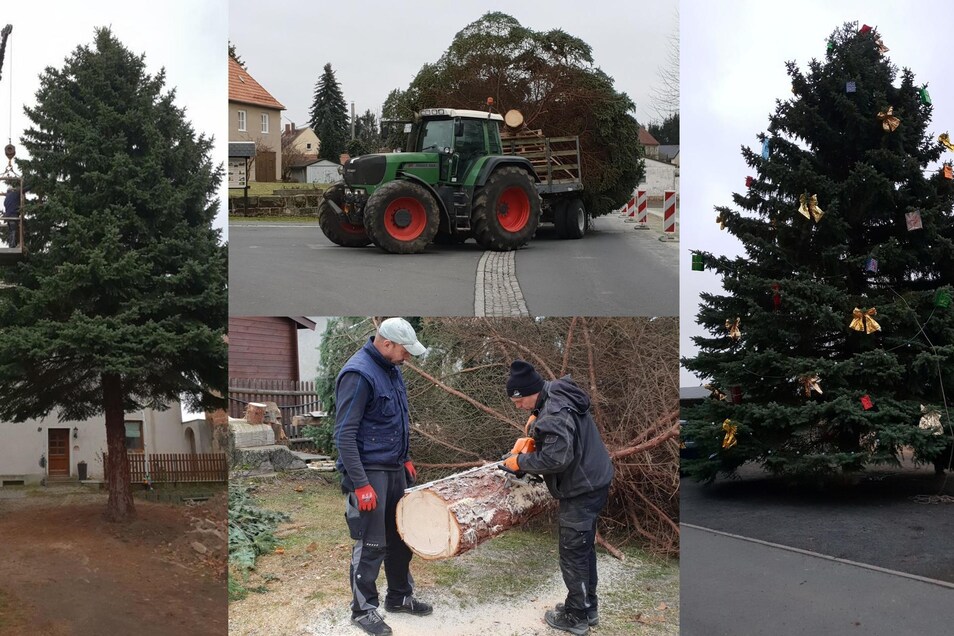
119,507
450,516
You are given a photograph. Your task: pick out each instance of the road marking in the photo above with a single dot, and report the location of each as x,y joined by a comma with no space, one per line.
497,291
826,557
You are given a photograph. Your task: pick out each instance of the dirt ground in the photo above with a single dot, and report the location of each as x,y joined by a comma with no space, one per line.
895,517
502,587
65,571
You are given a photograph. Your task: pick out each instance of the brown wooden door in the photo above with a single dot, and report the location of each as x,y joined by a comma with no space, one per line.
265,167
59,451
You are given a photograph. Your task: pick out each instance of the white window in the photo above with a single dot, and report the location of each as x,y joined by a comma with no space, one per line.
264,122
241,118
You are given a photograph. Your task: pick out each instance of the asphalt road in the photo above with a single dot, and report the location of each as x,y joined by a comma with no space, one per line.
615,270
891,517
734,587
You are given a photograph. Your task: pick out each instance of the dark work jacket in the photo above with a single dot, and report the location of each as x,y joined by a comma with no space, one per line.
569,452
382,434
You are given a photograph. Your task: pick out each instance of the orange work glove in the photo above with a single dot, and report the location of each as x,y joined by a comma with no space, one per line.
510,464
523,445
409,467
367,498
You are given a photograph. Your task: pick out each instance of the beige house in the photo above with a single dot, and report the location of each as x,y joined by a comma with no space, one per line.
254,115
39,450
302,141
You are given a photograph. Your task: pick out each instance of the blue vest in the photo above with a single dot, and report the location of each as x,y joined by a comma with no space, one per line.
384,434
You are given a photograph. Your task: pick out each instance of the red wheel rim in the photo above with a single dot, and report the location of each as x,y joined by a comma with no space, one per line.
513,209
405,227
351,228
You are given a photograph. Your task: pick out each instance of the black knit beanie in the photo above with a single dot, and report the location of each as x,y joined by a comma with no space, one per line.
524,380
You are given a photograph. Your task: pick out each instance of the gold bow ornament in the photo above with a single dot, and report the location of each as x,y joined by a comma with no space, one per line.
946,141
721,221
878,43
811,383
729,440
809,207
733,327
888,121
931,421
864,321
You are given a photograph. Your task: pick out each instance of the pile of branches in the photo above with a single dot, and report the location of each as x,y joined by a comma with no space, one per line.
251,529
461,415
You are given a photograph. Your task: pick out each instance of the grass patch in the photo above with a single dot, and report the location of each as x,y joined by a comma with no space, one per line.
274,219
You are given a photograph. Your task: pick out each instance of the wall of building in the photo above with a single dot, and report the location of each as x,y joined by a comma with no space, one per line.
659,178
263,347
23,444
253,132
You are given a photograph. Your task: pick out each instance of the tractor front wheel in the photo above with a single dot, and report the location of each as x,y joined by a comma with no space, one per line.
337,229
402,217
506,210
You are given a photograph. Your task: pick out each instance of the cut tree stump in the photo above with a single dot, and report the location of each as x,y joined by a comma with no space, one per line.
450,516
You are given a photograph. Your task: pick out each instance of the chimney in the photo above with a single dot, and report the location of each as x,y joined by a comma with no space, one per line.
288,129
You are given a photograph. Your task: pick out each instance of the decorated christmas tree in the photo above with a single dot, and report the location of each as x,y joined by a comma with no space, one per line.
833,343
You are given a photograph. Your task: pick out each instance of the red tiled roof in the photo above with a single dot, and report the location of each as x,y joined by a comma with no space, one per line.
645,138
244,89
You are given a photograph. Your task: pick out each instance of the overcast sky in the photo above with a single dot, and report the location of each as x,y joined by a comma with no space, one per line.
729,87
375,46
187,38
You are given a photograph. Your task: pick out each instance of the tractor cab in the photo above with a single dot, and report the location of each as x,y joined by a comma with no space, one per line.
460,137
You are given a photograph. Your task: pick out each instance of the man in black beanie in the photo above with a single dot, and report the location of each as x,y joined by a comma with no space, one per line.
564,446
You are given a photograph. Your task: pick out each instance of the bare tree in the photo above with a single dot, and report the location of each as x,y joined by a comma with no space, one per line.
665,94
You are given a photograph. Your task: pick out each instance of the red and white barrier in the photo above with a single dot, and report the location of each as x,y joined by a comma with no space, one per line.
628,208
669,211
642,208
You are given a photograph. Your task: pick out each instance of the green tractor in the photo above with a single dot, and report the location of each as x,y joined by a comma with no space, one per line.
453,182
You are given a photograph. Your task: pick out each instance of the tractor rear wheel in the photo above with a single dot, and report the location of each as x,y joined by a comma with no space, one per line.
506,210
402,217
337,229
570,219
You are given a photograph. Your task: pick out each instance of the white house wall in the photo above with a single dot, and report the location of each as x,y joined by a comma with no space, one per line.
660,176
23,444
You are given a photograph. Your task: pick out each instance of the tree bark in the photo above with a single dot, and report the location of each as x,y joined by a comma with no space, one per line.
119,507
450,516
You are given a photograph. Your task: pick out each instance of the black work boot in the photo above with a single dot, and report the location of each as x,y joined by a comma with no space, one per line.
567,622
372,623
410,606
592,614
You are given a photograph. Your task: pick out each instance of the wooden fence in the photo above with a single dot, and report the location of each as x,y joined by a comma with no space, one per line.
173,468
292,397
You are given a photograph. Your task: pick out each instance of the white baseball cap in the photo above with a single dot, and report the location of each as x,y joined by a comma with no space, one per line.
400,331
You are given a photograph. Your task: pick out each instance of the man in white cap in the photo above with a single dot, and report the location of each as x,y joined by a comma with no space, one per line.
372,433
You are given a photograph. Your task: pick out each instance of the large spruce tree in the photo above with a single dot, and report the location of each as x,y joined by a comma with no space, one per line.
121,301
847,225
329,116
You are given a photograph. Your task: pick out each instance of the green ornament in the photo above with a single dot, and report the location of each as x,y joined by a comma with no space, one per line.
697,265
831,45
942,298
925,95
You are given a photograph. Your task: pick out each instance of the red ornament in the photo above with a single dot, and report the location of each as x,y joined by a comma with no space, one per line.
864,29
777,296
866,402
736,392
948,173
749,181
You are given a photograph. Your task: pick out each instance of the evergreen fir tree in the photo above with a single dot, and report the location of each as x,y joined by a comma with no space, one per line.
121,302
804,274
329,116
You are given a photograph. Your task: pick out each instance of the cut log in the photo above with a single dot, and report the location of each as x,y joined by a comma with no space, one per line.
450,516
255,413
